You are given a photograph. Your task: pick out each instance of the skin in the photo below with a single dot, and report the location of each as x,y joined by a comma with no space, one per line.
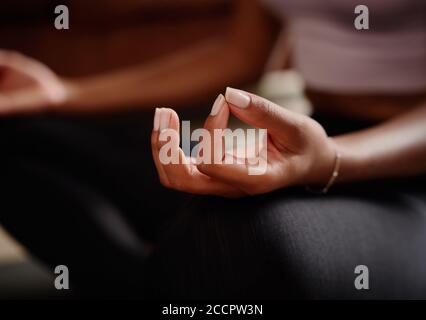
181,79
299,150
26,85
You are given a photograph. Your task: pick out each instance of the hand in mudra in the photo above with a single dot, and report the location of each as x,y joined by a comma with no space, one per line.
298,150
27,86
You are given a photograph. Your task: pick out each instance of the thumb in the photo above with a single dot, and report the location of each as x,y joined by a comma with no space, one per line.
258,112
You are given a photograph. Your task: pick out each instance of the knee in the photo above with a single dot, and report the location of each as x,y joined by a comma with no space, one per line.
227,249
292,245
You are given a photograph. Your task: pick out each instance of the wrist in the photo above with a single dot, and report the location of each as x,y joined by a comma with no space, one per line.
70,92
326,168
352,160
73,92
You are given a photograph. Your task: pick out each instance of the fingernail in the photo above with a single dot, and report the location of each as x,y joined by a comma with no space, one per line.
157,119
237,98
217,105
164,119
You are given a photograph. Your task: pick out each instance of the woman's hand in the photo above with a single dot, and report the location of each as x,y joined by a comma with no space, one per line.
27,86
298,151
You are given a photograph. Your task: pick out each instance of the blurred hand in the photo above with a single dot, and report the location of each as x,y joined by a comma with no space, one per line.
27,86
298,151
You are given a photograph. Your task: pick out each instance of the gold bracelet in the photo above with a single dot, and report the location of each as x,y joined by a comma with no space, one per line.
334,175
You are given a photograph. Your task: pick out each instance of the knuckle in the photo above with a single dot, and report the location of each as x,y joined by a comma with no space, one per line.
299,125
317,127
303,122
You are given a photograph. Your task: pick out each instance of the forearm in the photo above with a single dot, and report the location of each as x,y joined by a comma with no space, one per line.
392,149
175,80
186,78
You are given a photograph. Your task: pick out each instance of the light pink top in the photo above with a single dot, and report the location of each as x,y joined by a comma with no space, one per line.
332,55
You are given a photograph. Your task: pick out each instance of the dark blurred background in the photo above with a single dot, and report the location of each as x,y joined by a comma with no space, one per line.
102,32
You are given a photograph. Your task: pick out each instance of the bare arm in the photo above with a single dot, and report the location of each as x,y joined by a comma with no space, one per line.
190,76
298,151
392,149
186,78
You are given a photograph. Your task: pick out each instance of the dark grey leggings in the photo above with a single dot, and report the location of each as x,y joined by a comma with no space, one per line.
292,245
84,192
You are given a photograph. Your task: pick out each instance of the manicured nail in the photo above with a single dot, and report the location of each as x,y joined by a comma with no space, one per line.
217,105
157,119
164,119
237,98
